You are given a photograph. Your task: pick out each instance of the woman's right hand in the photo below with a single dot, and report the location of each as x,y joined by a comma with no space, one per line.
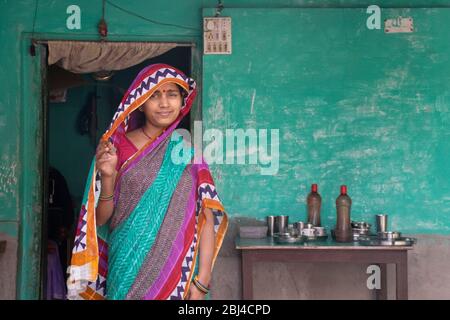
106,159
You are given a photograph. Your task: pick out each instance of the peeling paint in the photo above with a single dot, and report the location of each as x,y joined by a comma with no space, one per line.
253,101
8,178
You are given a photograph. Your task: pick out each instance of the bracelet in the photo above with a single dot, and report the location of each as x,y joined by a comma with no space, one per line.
106,198
201,289
200,286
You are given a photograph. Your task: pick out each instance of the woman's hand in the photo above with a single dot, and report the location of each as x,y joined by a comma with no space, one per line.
106,159
195,293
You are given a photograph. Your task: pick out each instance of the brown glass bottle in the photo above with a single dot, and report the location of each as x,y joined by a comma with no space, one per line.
313,203
343,229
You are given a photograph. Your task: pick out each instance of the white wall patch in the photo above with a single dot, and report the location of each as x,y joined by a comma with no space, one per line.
217,35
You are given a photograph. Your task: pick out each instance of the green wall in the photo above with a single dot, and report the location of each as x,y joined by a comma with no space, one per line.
370,181
353,106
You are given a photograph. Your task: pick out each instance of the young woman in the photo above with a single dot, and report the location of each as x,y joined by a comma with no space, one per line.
150,227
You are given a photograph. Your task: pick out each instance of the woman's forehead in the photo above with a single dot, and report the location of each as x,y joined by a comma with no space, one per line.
168,86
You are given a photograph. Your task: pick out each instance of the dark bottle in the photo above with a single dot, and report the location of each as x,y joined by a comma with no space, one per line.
343,229
313,203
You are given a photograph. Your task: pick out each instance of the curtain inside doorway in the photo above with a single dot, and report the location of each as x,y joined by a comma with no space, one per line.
87,57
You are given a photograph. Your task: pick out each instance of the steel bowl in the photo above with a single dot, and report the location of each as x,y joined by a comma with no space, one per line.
309,232
293,231
287,238
308,226
361,225
389,235
282,234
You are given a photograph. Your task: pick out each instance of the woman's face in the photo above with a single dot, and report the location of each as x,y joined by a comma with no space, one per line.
163,106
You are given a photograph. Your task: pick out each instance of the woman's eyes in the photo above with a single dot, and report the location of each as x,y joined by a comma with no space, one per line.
157,95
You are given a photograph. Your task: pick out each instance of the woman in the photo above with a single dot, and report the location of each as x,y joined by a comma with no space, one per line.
160,221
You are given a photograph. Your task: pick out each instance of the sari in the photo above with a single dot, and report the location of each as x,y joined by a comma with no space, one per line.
149,249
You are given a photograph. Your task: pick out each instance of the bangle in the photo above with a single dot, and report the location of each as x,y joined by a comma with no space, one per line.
201,289
106,198
204,289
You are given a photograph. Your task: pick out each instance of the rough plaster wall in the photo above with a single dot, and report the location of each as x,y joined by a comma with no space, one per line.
8,264
372,115
428,263
428,276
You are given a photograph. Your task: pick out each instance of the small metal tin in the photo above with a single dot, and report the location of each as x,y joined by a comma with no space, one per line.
308,232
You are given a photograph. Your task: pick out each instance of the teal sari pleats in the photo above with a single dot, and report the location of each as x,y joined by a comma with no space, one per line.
132,240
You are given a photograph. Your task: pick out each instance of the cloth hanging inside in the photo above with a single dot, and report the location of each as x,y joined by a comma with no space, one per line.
89,56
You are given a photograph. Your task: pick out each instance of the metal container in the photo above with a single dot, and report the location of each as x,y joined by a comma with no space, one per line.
287,238
360,231
320,231
375,241
282,235
281,224
292,231
360,228
308,226
407,241
270,225
309,232
389,235
382,220
299,226
360,225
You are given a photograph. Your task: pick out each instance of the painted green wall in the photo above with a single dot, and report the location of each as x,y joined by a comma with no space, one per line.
16,24
353,106
21,117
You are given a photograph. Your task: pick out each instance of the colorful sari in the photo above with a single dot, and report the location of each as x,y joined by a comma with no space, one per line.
150,248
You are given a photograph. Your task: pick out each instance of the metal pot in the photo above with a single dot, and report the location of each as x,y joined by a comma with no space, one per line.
361,225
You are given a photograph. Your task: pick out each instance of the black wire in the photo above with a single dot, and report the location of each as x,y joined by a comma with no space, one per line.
149,20
118,37
32,45
103,10
34,18
219,8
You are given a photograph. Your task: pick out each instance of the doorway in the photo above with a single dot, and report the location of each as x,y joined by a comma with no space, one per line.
77,111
